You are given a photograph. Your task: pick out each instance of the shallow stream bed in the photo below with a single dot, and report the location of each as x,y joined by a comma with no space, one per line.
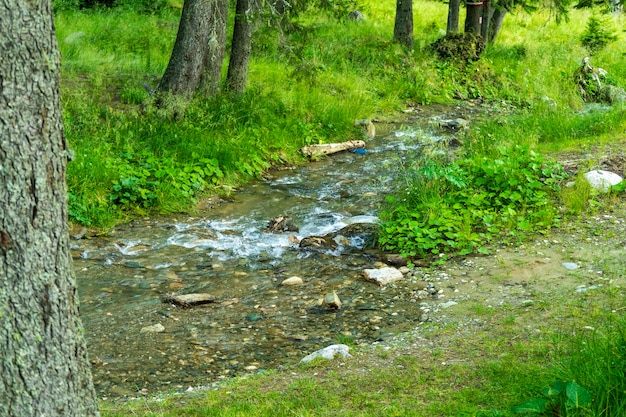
255,322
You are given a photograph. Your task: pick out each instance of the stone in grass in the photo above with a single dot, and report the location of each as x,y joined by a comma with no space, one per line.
602,180
383,276
329,353
570,265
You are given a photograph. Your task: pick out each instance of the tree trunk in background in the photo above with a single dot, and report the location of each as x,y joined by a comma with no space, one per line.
43,358
496,24
184,69
241,48
473,19
403,27
214,56
488,10
453,17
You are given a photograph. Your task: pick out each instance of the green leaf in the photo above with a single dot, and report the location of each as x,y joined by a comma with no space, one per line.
536,405
577,396
556,388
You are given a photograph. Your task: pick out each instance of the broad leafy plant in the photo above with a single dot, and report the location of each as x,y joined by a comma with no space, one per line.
562,398
462,205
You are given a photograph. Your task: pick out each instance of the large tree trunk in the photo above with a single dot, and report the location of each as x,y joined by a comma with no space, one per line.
473,18
186,62
453,17
214,57
403,27
241,48
43,359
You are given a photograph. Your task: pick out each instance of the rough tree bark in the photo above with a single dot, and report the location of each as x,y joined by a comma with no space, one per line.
241,48
182,76
214,56
43,359
454,8
403,26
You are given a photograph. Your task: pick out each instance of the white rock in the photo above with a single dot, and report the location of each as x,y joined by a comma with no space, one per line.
292,281
383,276
602,180
329,353
570,265
448,304
155,328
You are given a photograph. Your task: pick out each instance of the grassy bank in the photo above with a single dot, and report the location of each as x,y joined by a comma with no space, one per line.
307,88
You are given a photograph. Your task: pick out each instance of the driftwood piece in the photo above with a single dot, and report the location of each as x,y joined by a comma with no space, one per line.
330,148
189,300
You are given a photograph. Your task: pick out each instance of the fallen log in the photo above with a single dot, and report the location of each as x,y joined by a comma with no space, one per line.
189,300
330,148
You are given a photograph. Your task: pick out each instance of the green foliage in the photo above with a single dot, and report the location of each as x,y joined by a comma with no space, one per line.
462,205
597,35
307,85
143,177
561,398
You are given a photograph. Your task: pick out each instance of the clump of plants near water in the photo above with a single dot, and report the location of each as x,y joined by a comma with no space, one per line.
460,206
499,188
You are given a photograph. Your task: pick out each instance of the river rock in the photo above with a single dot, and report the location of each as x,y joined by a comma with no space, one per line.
155,328
357,229
332,301
189,300
291,281
382,276
281,224
329,353
602,180
318,243
455,124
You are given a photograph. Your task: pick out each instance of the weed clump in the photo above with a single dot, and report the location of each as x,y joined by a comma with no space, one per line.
464,47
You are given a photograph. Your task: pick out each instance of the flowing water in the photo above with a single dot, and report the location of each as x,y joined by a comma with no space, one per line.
255,322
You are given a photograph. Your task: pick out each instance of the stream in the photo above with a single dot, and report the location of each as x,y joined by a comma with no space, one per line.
138,344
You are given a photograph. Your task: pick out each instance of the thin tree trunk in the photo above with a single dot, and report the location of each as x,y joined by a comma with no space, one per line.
453,17
496,23
241,48
184,69
214,57
43,357
403,27
488,10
